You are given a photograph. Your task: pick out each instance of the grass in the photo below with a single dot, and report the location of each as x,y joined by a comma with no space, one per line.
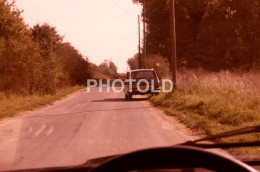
212,103
11,105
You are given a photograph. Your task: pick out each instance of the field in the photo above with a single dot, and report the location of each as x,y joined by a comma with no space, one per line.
211,103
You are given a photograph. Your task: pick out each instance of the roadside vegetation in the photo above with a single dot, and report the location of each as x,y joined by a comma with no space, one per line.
36,66
218,63
105,70
36,60
157,62
211,103
12,104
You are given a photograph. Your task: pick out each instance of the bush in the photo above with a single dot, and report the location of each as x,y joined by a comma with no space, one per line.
159,64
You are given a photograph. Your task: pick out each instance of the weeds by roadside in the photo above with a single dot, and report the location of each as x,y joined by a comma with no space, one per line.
11,105
215,102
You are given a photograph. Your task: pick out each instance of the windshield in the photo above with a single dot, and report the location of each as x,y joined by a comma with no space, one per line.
64,65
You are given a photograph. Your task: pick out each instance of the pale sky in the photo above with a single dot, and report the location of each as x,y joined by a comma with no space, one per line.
99,29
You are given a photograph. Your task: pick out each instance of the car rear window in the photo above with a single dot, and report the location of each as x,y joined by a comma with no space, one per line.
142,75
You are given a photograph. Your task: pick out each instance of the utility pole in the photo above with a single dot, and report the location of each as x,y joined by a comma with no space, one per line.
173,59
139,44
144,30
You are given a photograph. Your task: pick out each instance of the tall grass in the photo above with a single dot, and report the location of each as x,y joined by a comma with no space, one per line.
224,81
215,102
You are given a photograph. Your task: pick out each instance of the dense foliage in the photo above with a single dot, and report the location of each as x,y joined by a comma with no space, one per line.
215,35
133,62
156,62
36,60
105,70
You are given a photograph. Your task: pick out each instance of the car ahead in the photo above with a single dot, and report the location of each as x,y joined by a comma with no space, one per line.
140,82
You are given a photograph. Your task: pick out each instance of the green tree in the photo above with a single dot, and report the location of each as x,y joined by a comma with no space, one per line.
157,62
75,68
108,68
17,52
133,62
48,39
214,35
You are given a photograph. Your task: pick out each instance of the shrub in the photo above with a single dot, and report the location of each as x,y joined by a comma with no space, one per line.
159,64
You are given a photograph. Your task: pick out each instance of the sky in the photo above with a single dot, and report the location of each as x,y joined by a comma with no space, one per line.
99,29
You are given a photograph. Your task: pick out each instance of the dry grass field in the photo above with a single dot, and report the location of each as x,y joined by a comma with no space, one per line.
212,103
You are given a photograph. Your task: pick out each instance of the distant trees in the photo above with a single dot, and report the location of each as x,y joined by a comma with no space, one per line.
214,35
36,60
105,70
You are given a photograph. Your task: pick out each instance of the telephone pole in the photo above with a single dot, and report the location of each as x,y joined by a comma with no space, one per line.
173,59
139,44
144,35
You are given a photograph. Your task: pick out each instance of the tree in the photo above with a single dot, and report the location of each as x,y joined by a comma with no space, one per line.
108,68
48,39
17,51
133,62
157,62
75,68
36,60
214,35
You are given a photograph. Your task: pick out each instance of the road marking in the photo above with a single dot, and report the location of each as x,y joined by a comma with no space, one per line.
39,130
30,129
49,131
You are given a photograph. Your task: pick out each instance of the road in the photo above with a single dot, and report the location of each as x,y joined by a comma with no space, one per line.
80,127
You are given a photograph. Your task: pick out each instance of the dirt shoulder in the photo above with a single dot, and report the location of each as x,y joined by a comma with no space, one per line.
173,124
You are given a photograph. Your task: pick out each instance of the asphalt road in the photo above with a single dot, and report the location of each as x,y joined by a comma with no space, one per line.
80,127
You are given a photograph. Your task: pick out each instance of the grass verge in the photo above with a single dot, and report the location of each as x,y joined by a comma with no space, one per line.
212,107
11,105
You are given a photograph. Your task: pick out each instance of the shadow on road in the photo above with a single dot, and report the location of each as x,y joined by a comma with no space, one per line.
121,100
110,100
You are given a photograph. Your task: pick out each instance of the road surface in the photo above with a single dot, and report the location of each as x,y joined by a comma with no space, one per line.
80,127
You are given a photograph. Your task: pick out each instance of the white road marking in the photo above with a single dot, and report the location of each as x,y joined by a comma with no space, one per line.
75,107
49,131
39,130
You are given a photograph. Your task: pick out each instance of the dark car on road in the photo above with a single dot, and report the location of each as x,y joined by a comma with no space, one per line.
140,82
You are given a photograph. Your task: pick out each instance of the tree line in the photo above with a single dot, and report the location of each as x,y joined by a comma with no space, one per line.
214,35
105,70
36,59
